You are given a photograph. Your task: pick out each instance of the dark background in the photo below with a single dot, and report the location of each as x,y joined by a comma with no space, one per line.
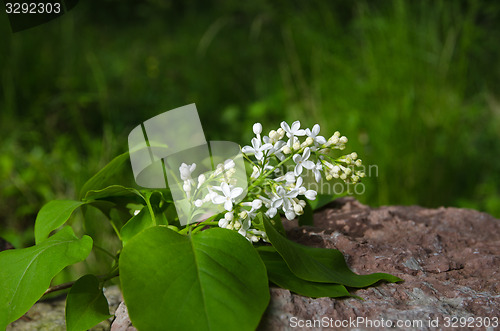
413,84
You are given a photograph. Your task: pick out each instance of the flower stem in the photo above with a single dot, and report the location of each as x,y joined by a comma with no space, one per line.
102,278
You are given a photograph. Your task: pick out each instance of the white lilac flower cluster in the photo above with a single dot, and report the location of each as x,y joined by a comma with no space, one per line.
204,185
279,161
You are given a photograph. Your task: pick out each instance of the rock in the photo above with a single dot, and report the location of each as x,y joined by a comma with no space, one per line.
449,259
122,320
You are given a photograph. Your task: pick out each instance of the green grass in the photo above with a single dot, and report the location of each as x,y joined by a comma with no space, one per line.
411,83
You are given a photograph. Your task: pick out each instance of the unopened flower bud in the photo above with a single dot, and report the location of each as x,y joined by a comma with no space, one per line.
218,169
286,150
311,194
274,136
257,128
201,180
229,164
256,204
298,209
328,164
223,223
334,140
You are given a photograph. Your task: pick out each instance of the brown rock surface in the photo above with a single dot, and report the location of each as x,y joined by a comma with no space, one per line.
449,259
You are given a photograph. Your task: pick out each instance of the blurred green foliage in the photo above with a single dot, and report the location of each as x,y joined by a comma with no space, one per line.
413,84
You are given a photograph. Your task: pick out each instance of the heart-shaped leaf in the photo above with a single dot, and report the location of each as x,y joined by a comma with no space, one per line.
26,273
280,274
86,305
213,280
53,215
320,264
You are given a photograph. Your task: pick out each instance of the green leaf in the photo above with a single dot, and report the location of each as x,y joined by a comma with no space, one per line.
136,224
320,264
308,217
113,200
99,180
26,273
171,214
53,215
280,274
86,305
213,280
113,191
277,223
258,223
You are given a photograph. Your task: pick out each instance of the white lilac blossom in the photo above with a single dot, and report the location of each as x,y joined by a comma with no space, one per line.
229,194
257,149
318,167
313,134
283,198
280,162
302,161
294,130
